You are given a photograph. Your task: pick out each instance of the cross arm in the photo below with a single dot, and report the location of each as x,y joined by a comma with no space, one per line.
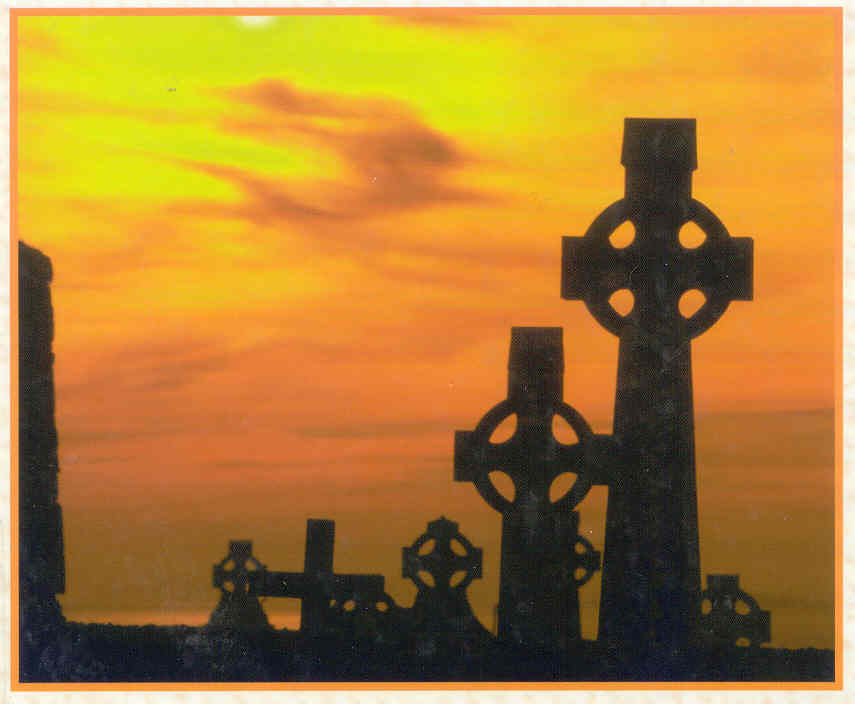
368,586
299,585
437,563
472,456
592,267
728,269
598,460
284,584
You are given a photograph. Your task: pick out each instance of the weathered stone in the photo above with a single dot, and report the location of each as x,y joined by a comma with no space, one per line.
538,598
651,571
41,560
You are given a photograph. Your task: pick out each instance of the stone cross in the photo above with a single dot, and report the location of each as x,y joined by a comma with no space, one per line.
441,553
318,587
322,592
651,572
538,601
442,563
729,615
236,576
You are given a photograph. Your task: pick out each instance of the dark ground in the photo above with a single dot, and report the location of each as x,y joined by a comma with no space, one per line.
76,652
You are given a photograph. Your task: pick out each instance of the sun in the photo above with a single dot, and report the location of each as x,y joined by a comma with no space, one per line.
256,21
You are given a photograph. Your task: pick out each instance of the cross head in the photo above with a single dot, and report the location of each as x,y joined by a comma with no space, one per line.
659,156
440,553
442,563
533,458
236,575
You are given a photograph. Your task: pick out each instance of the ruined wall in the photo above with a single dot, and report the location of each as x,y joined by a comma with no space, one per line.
41,554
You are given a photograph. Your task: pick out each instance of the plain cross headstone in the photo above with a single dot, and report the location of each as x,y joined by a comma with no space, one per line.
651,570
318,587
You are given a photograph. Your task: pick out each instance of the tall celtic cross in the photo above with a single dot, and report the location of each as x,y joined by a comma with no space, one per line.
543,559
651,570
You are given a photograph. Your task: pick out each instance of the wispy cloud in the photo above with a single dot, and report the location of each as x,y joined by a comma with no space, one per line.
392,160
69,104
34,40
363,429
445,18
168,364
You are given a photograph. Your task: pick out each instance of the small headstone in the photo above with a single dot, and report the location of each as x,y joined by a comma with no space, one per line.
324,593
729,616
237,576
442,563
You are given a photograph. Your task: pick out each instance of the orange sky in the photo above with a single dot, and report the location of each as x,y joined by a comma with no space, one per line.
288,253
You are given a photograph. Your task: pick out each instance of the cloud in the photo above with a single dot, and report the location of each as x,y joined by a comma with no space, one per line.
268,200
135,369
280,96
392,160
148,243
445,19
30,39
772,56
65,104
371,430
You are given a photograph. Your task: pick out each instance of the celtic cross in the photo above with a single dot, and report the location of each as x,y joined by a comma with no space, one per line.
538,603
729,615
236,576
651,571
442,564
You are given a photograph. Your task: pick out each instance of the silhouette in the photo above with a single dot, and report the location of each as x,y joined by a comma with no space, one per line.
239,606
538,599
41,562
655,623
442,563
323,593
732,614
651,573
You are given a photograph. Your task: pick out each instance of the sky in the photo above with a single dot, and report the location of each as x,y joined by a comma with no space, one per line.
288,252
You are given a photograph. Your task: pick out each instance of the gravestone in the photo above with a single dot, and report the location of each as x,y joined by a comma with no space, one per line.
541,569
322,592
442,564
235,576
651,572
729,616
